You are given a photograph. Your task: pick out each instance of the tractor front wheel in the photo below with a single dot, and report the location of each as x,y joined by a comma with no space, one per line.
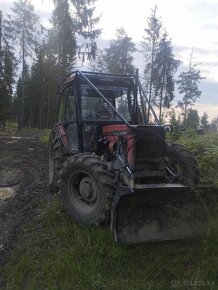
181,165
57,156
87,188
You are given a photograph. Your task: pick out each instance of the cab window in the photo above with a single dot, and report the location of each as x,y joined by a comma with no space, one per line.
70,106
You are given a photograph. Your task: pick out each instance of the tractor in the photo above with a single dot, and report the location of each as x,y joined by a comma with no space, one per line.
111,166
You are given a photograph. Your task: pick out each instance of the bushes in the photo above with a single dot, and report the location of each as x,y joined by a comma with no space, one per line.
205,149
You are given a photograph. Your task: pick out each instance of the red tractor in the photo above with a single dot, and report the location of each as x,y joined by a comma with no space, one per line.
111,166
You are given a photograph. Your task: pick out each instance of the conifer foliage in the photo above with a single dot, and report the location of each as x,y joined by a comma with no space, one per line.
22,28
7,64
160,64
38,60
44,57
118,58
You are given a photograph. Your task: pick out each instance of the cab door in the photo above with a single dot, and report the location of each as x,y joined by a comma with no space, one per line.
67,116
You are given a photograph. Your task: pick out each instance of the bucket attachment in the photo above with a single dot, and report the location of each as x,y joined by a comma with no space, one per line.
157,212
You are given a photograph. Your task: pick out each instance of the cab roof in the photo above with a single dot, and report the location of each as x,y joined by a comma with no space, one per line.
98,78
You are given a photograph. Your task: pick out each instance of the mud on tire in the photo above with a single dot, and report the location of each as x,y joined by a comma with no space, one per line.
57,156
87,188
183,164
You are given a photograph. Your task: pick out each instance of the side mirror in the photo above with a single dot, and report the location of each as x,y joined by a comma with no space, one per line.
168,128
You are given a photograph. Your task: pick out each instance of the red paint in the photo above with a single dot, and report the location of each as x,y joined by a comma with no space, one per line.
63,135
111,133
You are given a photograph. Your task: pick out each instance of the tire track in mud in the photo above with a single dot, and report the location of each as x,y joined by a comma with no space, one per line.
23,186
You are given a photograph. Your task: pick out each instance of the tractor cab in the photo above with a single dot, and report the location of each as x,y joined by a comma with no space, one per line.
82,112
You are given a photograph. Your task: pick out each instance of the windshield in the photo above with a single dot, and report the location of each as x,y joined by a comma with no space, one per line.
94,107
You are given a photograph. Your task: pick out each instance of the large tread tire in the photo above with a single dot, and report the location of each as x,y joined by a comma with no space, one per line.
103,180
179,157
57,156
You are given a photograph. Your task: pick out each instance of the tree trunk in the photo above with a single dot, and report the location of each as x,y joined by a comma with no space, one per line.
21,123
1,72
185,112
151,78
3,124
161,95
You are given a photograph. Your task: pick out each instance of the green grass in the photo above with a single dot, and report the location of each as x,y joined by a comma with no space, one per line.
10,128
57,253
44,136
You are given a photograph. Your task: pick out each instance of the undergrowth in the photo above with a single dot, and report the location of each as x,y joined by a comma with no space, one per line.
205,149
44,136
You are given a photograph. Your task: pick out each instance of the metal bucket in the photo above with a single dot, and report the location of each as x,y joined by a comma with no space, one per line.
159,212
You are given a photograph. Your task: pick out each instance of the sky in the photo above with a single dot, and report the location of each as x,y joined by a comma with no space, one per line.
191,24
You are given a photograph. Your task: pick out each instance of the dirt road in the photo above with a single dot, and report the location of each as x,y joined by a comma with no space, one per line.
23,185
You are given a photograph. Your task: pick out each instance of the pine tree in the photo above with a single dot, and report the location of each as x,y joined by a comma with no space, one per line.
22,26
165,67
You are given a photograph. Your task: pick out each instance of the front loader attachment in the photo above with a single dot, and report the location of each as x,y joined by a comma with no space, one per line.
158,212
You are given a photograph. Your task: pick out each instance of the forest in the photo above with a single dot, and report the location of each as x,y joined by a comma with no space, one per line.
41,245
35,59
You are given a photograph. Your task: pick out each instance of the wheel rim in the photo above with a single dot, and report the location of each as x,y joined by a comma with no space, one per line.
175,168
83,191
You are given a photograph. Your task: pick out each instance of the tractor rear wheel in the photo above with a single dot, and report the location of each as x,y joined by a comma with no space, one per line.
182,165
57,156
87,188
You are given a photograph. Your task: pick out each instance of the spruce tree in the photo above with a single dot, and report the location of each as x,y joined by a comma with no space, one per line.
204,121
192,119
62,38
86,31
150,46
7,70
118,58
165,67
1,31
22,26
188,87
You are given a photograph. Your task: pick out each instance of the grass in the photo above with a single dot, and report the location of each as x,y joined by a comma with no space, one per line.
10,128
44,135
57,253
54,252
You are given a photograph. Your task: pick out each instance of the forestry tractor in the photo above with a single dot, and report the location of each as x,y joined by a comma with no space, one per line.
111,166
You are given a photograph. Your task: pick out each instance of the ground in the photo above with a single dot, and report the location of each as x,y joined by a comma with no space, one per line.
41,247
23,185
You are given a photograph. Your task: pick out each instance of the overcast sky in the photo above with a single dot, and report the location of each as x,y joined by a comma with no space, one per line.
190,23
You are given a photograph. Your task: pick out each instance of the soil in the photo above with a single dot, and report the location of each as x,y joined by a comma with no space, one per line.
23,186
